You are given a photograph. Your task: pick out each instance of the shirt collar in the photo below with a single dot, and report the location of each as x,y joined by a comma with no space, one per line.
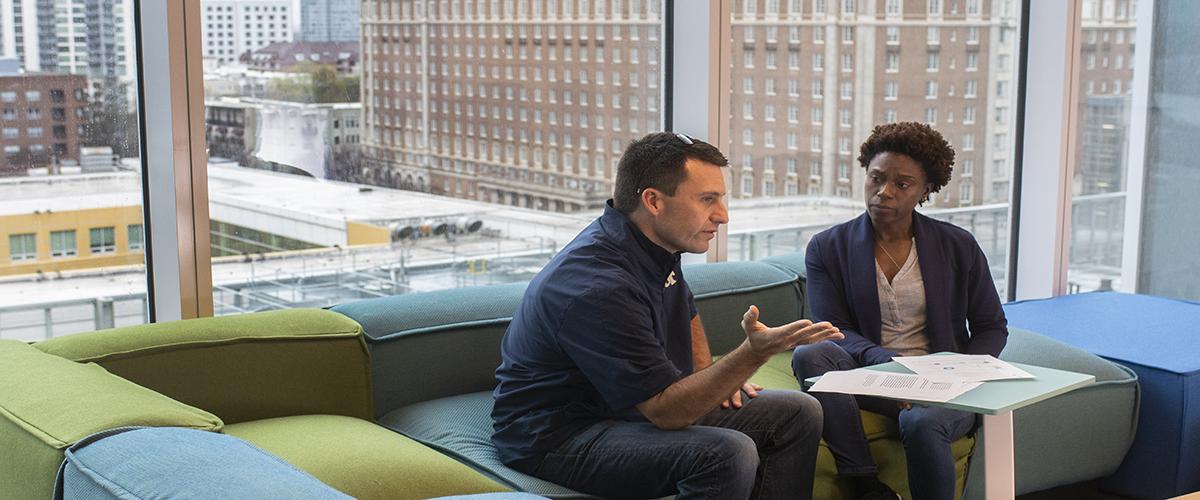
655,260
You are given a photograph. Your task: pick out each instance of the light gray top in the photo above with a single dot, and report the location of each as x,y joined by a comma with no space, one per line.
902,308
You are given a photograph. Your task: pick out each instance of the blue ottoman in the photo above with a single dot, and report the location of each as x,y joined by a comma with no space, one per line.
1157,338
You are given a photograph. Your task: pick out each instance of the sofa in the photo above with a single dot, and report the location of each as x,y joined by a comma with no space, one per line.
390,397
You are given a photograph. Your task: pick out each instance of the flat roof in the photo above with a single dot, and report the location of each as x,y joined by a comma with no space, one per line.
513,230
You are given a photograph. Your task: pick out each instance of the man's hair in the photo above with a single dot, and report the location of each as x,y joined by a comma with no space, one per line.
657,161
917,141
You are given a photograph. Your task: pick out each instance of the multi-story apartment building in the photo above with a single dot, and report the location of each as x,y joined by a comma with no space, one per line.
233,28
485,99
40,120
515,102
329,20
812,78
83,37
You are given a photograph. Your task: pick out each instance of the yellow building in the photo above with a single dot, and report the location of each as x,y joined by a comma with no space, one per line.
61,223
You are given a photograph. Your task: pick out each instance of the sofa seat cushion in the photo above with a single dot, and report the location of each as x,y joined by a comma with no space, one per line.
48,403
177,463
461,426
362,459
241,367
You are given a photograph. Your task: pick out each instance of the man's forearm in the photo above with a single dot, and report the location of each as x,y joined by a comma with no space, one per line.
680,404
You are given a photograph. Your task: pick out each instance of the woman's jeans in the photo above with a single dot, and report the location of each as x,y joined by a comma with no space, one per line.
926,432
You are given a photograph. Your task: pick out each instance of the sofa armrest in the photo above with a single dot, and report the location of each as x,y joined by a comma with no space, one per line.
243,367
48,403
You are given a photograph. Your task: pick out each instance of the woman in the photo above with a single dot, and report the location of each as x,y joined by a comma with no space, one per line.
898,283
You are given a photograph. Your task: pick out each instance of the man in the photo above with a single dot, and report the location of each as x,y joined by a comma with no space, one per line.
606,384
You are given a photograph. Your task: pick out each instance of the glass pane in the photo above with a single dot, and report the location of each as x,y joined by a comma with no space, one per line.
1102,152
796,135
70,173
462,143
1106,171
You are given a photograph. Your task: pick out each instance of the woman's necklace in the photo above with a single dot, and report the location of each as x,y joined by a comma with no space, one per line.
889,256
886,253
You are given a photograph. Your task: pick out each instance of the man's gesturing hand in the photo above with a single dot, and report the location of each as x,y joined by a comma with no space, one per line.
766,341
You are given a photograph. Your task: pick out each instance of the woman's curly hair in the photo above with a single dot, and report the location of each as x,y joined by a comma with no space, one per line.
916,140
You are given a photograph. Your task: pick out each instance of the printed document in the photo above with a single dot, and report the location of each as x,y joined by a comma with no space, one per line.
892,385
966,367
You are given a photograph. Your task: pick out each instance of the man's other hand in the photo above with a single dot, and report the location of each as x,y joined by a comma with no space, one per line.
735,401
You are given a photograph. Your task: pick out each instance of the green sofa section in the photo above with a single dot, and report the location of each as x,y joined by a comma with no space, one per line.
48,403
294,383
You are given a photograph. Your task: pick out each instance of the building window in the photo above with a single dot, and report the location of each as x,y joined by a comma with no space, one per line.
137,239
102,240
62,243
22,247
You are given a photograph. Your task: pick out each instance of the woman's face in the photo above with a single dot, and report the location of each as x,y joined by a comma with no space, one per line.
895,184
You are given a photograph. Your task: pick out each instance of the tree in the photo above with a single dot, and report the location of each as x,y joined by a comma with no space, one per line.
321,84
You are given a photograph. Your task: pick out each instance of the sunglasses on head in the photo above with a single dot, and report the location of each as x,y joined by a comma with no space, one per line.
682,138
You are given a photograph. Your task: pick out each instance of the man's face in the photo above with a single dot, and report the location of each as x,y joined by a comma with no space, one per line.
688,220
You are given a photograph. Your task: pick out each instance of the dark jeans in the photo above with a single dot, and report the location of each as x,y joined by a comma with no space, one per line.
925,432
766,449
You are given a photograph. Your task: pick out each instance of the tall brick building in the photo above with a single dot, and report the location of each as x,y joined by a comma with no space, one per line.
515,102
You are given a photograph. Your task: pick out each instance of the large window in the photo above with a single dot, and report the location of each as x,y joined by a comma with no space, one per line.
70,172
455,146
954,54
1102,154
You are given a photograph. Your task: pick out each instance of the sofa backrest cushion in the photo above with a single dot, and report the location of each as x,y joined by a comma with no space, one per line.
48,403
181,464
724,290
436,344
242,367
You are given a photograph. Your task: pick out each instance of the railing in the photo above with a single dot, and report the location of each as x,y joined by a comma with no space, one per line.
1097,233
52,319
1095,264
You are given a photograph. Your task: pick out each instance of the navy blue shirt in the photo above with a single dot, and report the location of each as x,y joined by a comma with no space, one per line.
603,327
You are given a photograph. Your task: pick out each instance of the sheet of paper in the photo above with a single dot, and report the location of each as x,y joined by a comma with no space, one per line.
902,386
968,367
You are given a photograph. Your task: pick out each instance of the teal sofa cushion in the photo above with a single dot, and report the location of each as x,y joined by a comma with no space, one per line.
182,464
431,345
461,426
